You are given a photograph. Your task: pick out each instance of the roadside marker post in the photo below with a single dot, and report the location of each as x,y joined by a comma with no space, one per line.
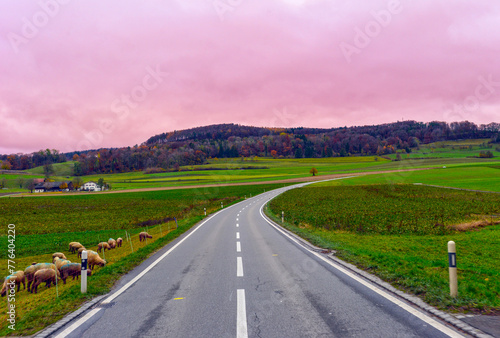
176,225
221,205
283,217
205,211
84,271
452,257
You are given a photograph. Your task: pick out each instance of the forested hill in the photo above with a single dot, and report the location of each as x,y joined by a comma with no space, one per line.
224,131
170,150
424,132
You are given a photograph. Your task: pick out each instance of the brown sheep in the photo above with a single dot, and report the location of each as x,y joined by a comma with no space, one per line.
112,243
119,242
30,271
58,254
103,246
72,269
60,262
94,259
143,235
18,278
80,252
74,246
44,275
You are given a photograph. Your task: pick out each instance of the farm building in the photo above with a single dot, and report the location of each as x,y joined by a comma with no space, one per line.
54,186
91,186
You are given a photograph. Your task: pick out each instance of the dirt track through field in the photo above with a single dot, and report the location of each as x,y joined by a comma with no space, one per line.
290,180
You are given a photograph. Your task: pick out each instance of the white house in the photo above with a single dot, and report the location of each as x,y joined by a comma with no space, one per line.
91,186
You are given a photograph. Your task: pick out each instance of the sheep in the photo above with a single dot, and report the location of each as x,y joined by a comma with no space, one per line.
44,275
112,243
94,259
17,277
30,271
58,254
143,235
74,246
119,242
80,252
60,262
72,269
103,246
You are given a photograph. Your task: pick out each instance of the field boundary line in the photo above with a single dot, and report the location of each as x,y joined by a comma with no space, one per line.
382,288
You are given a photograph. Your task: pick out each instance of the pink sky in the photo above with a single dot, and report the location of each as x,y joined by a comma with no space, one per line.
76,75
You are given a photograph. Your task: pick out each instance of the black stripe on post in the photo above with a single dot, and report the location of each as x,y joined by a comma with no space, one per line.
84,264
452,257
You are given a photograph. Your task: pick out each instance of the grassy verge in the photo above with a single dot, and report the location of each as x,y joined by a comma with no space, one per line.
416,263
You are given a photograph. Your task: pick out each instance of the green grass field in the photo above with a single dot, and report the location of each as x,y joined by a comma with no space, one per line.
400,233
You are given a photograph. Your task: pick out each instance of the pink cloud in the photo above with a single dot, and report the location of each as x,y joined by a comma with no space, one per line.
268,63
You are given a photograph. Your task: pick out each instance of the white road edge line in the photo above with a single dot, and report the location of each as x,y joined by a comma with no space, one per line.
79,322
241,314
238,247
239,267
422,316
139,276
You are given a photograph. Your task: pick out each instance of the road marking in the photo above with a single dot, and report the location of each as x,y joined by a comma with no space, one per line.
238,247
78,323
239,267
237,218
179,298
237,225
241,315
237,235
420,315
275,255
238,215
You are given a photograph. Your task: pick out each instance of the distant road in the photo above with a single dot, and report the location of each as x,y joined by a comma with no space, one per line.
238,275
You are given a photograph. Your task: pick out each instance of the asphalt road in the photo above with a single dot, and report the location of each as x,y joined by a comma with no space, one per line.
236,275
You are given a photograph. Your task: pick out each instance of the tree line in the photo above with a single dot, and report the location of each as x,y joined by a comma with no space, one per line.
194,146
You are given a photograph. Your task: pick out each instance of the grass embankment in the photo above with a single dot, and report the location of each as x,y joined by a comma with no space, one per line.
47,224
400,233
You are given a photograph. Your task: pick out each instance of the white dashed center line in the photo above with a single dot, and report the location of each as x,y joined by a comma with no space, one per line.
237,235
239,267
238,247
241,315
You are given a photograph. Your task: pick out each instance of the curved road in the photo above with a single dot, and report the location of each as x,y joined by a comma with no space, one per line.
238,275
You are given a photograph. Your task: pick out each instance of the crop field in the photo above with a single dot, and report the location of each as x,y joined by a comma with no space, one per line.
46,225
400,233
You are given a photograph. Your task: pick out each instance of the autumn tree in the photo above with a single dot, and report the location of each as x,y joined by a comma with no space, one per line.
20,181
77,182
63,186
100,182
30,185
48,169
5,165
313,171
274,153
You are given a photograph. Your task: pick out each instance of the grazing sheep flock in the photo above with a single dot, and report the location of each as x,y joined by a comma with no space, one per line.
61,267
